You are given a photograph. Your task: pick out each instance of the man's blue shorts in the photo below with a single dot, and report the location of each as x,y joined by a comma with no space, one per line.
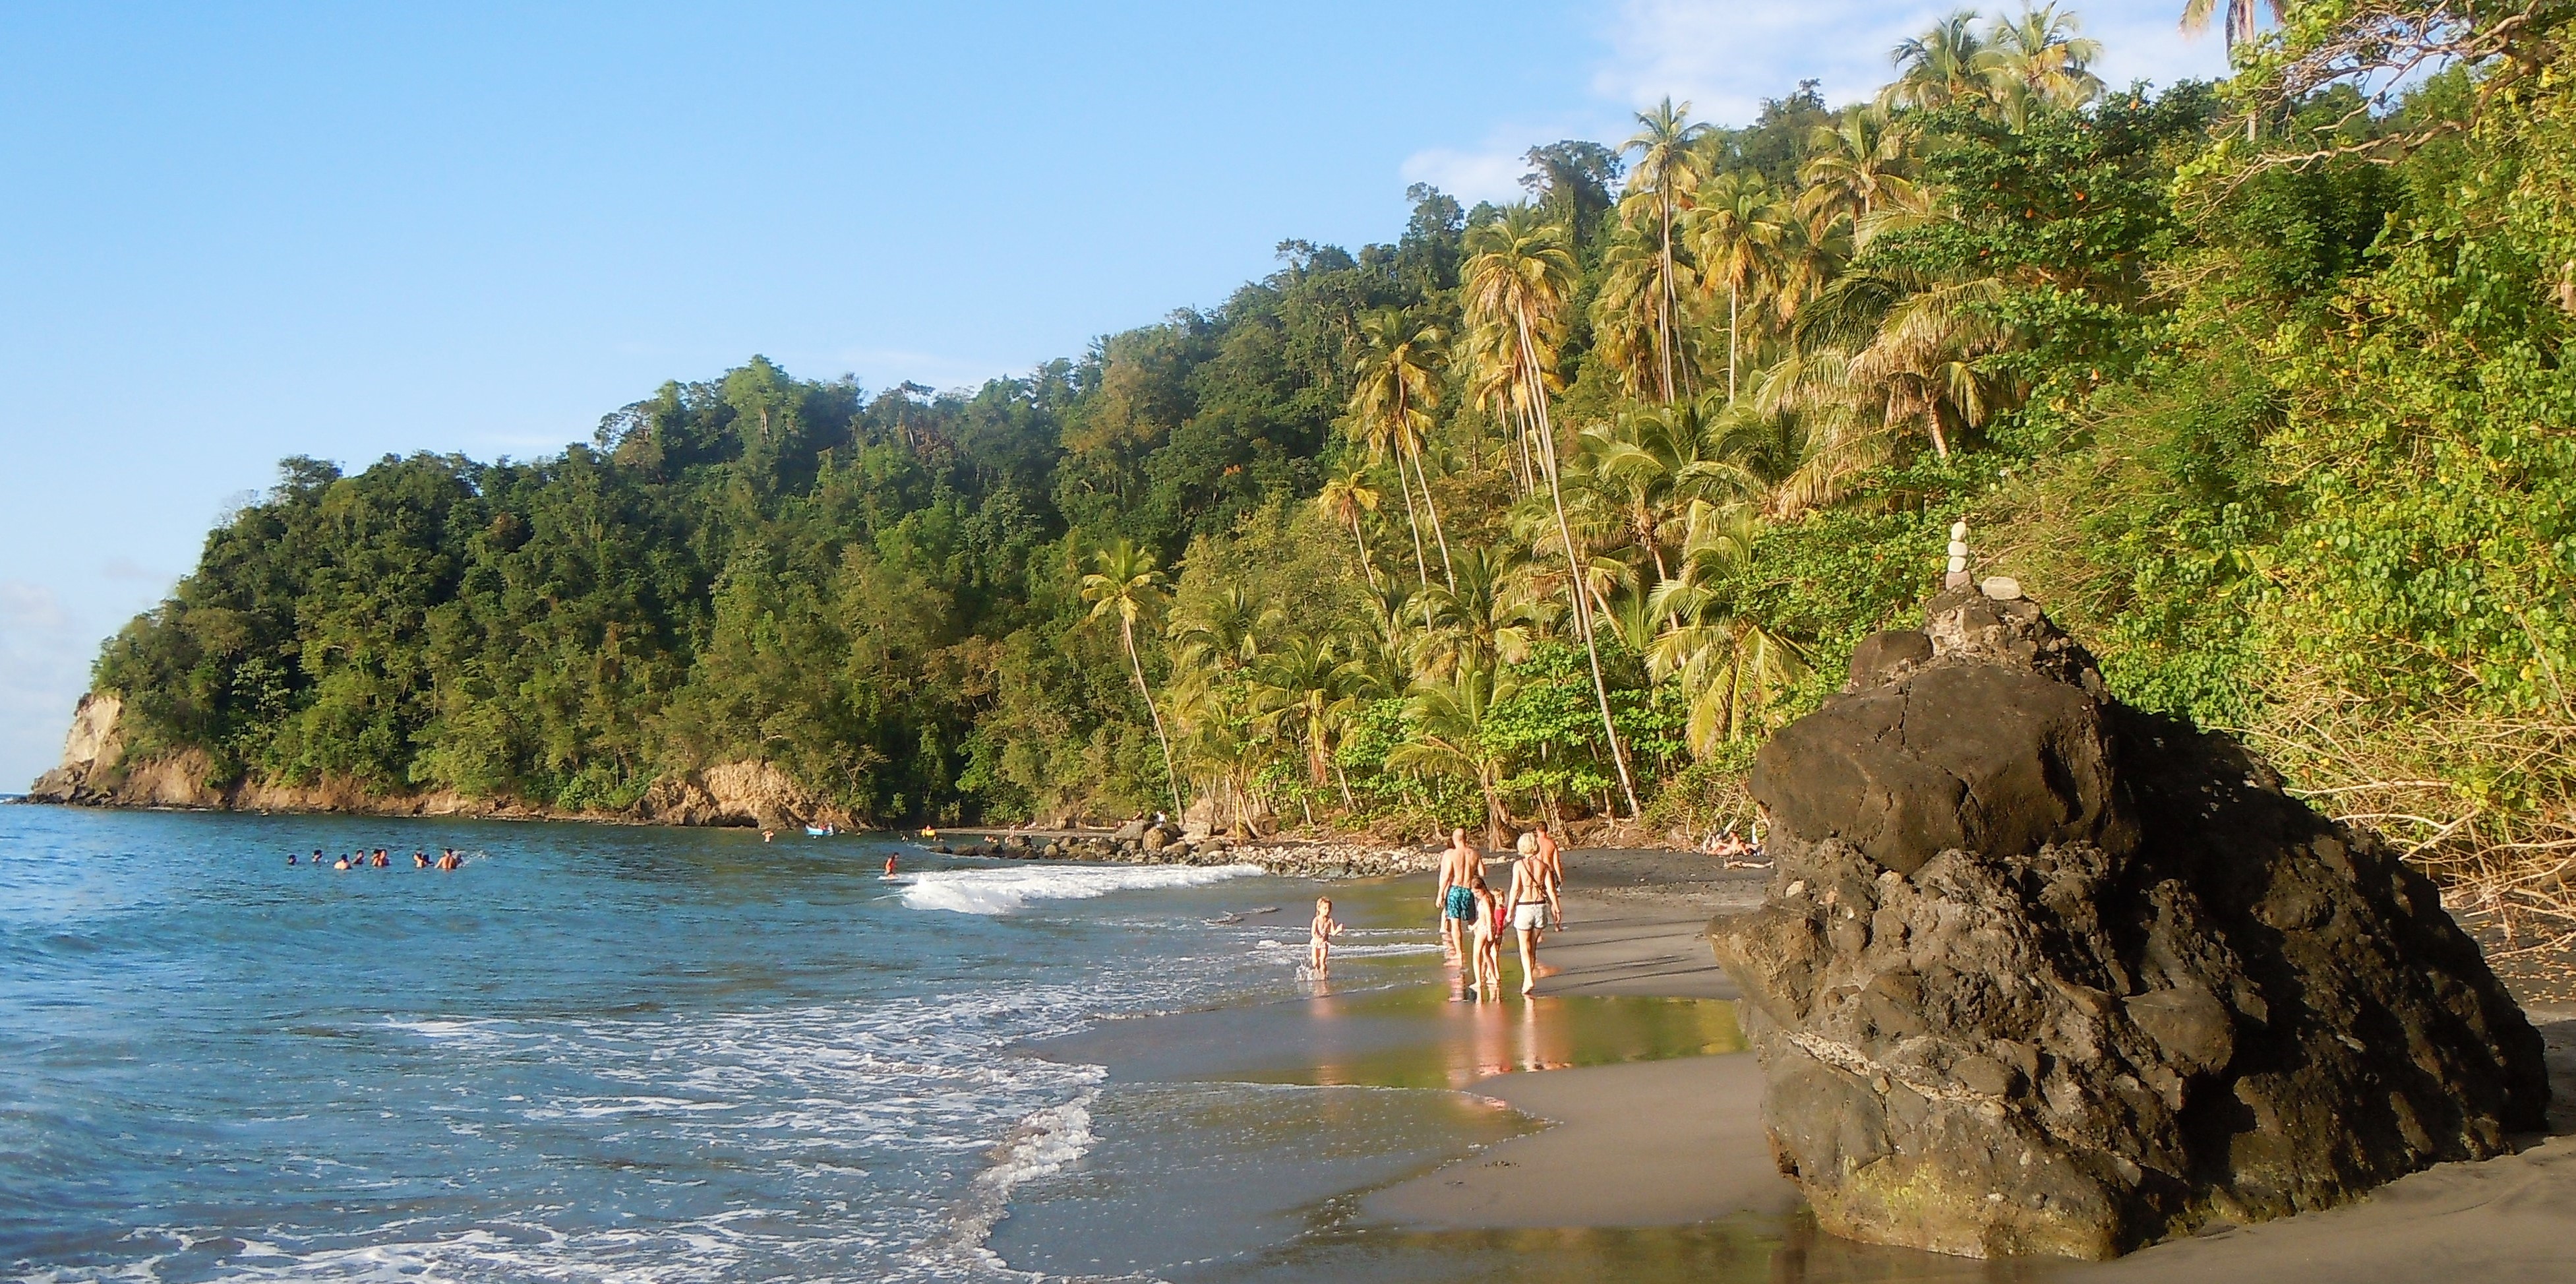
1462,904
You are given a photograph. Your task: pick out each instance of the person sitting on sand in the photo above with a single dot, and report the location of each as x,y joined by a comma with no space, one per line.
1532,893
1319,937
1460,868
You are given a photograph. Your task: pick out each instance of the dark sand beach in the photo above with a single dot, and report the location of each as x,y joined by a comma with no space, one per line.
1645,1153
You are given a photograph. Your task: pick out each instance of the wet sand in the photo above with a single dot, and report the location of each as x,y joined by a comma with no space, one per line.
1644,1156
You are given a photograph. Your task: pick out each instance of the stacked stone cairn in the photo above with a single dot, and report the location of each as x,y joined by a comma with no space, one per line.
2038,973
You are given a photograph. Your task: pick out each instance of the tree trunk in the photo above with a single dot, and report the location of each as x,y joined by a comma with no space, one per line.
1421,566
1447,572
1730,344
1171,776
1664,298
1574,564
1367,567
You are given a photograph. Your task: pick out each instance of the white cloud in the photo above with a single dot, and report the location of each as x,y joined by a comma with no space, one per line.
1491,173
1726,56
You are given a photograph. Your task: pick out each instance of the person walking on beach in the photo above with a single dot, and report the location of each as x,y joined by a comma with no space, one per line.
1489,942
1551,868
1460,867
1319,937
1531,896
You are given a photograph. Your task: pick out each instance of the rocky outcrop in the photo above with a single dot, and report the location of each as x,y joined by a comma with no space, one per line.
2039,973
96,771
1139,843
91,748
737,793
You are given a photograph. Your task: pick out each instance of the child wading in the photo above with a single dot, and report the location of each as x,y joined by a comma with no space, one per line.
1319,936
1488,965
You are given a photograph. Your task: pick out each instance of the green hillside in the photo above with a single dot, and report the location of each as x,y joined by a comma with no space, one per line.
1554,508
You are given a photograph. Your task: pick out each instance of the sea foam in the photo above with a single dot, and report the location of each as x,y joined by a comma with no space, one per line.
1008,891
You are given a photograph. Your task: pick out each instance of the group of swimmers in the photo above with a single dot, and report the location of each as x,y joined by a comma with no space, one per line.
448,859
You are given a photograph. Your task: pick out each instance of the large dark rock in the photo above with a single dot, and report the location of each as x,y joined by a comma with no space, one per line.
2039,973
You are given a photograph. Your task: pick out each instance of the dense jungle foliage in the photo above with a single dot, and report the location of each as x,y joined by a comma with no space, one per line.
1555,507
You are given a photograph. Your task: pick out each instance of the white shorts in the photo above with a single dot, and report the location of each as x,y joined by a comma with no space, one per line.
1529,917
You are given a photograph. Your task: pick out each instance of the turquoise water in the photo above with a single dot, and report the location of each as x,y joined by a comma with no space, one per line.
597,1052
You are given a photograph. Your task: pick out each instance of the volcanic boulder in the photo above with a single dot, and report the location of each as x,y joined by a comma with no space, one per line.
2040,973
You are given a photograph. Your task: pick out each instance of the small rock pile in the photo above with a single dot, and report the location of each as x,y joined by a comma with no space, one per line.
1141,843
2040,973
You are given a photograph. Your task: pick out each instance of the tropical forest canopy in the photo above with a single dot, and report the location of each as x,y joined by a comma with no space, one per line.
1555,507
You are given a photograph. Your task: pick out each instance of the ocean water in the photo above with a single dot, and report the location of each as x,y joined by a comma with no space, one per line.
603,1053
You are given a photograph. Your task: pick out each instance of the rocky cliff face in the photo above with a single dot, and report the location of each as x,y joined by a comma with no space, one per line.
96,771
2039,973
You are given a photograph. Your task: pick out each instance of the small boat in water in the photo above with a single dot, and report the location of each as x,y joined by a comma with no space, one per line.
820,831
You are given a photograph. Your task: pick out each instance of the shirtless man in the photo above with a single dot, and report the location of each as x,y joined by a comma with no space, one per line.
1456,896
1551,868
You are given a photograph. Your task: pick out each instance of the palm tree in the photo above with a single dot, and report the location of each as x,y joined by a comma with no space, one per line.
1448,721
1627,312
2239,26
1518,281
1739,229
1730,665
1904,349
1939,67
1346,496
1126,583
1302,686
1396,392
1222,633
1667,170
2038,57
1485,621
1853,166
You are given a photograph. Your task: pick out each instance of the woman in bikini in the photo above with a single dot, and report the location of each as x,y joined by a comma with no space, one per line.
1529,903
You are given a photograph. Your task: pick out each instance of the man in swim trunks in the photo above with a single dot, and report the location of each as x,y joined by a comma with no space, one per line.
1551,870
1459,868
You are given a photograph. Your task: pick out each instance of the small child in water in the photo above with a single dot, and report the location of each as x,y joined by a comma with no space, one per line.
1319,936
1489,941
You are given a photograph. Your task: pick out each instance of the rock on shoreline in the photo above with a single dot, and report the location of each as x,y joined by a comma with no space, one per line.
2039,973
1141,844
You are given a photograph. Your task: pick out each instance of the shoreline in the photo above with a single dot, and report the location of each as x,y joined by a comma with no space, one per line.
1675,1144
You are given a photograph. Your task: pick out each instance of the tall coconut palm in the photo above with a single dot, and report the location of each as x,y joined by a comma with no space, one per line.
1517,284
1346,497
2239,26
1124,582
1853,166
1397,390
1939,67
1737,232
1448,722
2039,57
1302,687
1485,621
1667,170
1627,313
1729,665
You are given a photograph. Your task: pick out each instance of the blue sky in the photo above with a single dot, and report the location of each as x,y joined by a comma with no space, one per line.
234,233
